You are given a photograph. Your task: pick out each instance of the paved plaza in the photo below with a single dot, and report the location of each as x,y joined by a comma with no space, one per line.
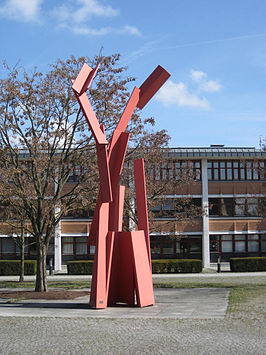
170,303
184,321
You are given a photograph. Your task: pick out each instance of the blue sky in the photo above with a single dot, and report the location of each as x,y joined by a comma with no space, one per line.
215,51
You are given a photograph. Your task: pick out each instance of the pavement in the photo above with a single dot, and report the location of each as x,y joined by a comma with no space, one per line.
183,321
201,303
204,303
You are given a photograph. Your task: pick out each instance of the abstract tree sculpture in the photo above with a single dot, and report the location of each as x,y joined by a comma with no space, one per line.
122,262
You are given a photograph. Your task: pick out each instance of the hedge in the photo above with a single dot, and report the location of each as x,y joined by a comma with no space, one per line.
248,264
12,267
168,266
84,267
80,267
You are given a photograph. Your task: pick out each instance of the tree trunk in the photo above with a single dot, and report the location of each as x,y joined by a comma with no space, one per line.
41,279
22,255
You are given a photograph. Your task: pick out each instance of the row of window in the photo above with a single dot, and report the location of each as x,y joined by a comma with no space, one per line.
176,170
170,208
163,247
224,207
241,206
233,170
224,245
237,245
236,170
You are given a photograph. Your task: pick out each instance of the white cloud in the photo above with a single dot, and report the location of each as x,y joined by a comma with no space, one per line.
21,10
86,30
74,16
210,86
197,75
90,8
132,30
81,10
204,85
172,93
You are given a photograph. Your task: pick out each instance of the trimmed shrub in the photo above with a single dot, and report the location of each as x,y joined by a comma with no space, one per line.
12,267
249,264
168,266
84,267
80,267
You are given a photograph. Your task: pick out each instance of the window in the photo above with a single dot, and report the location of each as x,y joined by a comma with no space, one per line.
195,245
191,169
67,245
171,208
229,175
240,243
236,170
167,208
79,213
226,207
253,243
155,246
263,243
240,206
92,249
222,170
75,246
214,243
227,245
81,245
221,207
252,206
170,171
164,171
213,206
8,246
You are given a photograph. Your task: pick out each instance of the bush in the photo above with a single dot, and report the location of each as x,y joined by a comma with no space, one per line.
248,264
12,267
176,266
84,267
80,267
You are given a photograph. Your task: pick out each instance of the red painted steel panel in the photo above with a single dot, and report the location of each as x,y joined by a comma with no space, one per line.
143,274
129,109
151,85
98,297
126,269
118,209
109,258
81,79
114,273
91,76
104,173
93,235
91,119
116,159
141,199
84,78
126,116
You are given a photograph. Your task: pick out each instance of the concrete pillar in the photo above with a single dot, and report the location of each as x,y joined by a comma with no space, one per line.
205,207
57,247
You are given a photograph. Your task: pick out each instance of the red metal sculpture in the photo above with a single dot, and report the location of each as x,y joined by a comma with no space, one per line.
122,262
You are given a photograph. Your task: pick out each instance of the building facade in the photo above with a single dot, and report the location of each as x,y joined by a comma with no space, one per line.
229,186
